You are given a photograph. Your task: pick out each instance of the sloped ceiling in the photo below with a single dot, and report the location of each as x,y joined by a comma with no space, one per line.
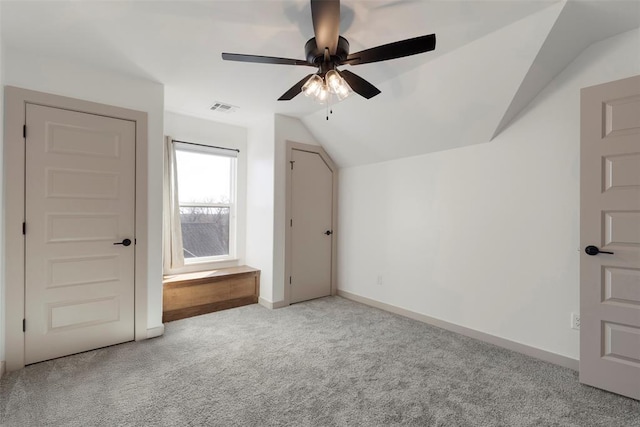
492,58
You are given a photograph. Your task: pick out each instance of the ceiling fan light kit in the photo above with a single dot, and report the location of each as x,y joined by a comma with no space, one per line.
337,85
313,86
328,50
321,89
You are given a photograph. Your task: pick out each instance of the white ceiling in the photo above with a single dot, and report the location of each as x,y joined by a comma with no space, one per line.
491,58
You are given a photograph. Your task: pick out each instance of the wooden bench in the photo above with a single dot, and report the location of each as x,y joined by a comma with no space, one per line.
192,294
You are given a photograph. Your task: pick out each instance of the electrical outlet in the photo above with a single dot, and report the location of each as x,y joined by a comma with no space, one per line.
379,280
575,321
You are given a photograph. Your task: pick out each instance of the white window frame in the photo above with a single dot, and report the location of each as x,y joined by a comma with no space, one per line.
207,263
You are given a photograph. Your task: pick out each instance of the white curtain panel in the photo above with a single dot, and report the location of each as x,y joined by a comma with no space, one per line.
173,255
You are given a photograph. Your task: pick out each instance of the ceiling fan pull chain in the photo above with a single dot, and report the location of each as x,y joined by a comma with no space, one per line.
328,100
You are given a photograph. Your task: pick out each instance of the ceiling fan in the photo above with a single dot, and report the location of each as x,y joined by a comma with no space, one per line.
328,50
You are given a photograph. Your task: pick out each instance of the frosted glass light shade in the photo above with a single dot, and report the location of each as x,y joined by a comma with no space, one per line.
323,94
337,85
313,86
334,81
343,91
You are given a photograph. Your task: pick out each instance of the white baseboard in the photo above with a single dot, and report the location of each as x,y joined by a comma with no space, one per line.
155,332
270,304
547,356
2,368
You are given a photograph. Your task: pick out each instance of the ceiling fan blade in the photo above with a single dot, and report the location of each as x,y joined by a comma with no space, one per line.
326,23
263,59
295,90
359,85
393,50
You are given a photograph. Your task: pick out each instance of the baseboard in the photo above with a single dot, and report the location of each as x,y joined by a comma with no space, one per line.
271,305
155,332
2,368
547,356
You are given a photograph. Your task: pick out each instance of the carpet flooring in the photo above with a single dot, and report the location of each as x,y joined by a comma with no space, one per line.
321,363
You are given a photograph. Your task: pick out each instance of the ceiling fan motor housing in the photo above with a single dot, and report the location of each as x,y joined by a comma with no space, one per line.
315,54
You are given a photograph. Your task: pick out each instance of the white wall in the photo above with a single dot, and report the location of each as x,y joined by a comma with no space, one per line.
485,236
77,80
286,129
2,293
260,172
192,129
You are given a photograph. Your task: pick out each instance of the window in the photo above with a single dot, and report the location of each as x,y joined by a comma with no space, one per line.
203,204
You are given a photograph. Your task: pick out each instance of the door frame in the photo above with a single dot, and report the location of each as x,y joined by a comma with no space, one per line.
16,100
291,145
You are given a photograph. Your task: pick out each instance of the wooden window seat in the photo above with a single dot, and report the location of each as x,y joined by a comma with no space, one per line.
192,294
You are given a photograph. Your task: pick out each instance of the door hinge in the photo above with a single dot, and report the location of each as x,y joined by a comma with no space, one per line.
24,131
292,162
291,223
24,325
289,279
24,228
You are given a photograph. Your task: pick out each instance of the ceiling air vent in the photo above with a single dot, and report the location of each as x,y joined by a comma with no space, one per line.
223,108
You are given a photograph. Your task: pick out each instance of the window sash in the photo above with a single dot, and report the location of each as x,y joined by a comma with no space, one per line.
232,233
206,149
206,205
174,210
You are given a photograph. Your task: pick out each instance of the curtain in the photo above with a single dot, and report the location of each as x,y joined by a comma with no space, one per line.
173,253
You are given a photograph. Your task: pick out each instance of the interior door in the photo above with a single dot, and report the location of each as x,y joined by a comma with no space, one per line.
311,220
79,211
610,237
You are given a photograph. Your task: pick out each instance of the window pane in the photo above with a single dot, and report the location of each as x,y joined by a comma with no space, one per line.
205,231
203,177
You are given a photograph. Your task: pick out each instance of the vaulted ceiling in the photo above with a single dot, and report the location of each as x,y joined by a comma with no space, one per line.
491,59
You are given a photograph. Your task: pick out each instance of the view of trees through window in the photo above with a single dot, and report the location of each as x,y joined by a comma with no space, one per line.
205,185
205,231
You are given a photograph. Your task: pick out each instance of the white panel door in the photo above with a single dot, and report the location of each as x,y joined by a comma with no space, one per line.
311,233
80,202
610,237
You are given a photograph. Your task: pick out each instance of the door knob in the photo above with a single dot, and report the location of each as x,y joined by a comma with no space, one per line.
593,250
328,232
125,242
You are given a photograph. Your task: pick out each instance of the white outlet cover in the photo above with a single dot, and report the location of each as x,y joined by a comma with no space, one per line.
575,321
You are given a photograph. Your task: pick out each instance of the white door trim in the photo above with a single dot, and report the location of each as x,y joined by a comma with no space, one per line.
334,215
16,100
